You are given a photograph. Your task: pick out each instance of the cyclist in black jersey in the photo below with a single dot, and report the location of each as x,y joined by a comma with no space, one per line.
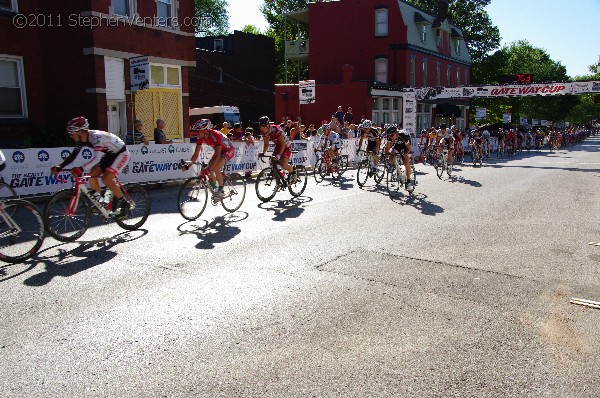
398,142
371,134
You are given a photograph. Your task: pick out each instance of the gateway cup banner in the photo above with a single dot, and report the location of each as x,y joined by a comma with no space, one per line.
514,90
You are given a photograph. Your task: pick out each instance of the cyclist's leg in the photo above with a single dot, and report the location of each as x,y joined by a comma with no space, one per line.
94,174
216,167
112,170
285,159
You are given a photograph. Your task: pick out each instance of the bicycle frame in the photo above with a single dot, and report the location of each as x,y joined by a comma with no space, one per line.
205,180
14,227
278,177
81,188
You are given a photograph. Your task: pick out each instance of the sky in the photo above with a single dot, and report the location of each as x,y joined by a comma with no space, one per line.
566,29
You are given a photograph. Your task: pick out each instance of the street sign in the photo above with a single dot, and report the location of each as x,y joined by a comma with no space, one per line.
140,73
307,92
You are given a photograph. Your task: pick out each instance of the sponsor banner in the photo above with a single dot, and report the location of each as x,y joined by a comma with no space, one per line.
480,113
139,68
307,92
409,112
506,117
535,122
523,120
28,170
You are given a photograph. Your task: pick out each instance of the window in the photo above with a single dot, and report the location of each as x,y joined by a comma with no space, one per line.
218,44
458,76
12,88
381,22
413,63
8,5
423,33
424,72
438,73
381,70
122,7
165,13
466,76
448,70
457,44
396,110
164,75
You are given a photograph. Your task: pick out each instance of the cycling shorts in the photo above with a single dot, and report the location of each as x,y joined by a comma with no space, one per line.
114,162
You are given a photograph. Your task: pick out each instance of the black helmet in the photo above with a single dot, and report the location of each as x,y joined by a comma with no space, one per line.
391,130
264,121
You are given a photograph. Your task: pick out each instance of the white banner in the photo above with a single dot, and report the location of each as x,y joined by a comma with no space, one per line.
28,170
535,122
523,120
506,117
409,113
480,113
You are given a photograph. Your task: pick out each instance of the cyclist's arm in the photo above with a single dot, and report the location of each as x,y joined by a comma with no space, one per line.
69,159
196,153
265,143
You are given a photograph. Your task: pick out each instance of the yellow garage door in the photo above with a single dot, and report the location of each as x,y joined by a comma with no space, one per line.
159,103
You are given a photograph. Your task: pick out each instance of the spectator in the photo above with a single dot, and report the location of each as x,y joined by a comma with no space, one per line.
335,125
225,129
288,127
136,136
249,140
345,130
352,131
339,115
159,135
348,116
310,131
295,132
237,132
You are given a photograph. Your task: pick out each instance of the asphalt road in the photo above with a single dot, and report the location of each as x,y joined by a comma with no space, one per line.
461,291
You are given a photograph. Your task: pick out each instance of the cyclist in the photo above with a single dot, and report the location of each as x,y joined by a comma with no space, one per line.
398,141
445,140
511,138
329,142
224,152
486,138
457,138
109,159
477,142
283,147
528,139
433,137
501,135
373,141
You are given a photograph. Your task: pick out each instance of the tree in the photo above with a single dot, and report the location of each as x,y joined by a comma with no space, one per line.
480,35
213,15
251,29
281,30
522,57
586,109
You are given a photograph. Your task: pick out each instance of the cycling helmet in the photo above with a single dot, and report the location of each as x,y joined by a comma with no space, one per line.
366,124
76,124
391,130
327,126
202,124
264,121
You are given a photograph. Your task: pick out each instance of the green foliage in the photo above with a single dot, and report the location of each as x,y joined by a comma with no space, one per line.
214,17
480,35
252,29
281,30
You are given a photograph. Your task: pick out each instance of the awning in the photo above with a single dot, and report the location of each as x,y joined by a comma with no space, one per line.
447,110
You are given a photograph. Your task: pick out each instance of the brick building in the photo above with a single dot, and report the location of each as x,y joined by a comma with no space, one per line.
72,58
369,63
235,70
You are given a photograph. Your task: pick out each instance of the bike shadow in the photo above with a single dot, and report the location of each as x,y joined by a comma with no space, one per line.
419,201
343,183
218,230
463,180
286,209
71,261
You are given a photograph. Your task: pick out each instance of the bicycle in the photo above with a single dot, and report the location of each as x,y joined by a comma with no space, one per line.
442,164
325,166
367,168
6,191
396,176
272,179
69,211
475,155
193,194
501,149
21,230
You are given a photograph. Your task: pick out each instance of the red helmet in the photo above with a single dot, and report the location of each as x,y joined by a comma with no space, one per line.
202,124
76,124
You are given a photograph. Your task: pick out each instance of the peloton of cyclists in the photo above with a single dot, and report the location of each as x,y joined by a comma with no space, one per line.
109,159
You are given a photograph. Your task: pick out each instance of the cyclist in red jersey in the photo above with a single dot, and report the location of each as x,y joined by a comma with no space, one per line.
223,147
283,148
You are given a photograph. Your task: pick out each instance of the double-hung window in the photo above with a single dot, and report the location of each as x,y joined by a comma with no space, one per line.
12,88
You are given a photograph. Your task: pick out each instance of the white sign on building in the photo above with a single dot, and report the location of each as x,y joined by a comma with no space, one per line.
506,117
480,113
307,92
140,73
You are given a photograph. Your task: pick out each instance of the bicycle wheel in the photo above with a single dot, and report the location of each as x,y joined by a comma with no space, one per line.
192,198
21,230
393,183
6,191
139,210
64,223
343,165
439,167
363,173
297,187
380,171
266,185
234,186
320,171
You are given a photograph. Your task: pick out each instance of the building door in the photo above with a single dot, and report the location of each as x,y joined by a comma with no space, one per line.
114,118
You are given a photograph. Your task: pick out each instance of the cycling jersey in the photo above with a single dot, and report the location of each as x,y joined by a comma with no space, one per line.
400,144
106,147
329,140
217,139
273,134
371,136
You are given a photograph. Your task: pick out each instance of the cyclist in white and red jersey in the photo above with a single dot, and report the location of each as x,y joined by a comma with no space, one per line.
283,147
109,159
223,147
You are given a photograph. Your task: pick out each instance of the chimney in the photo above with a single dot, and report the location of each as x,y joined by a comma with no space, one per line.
347,71
443,10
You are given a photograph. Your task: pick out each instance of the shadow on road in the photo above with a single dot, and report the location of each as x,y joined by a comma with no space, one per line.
419,201
69,262
463,180
218,230
286,209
